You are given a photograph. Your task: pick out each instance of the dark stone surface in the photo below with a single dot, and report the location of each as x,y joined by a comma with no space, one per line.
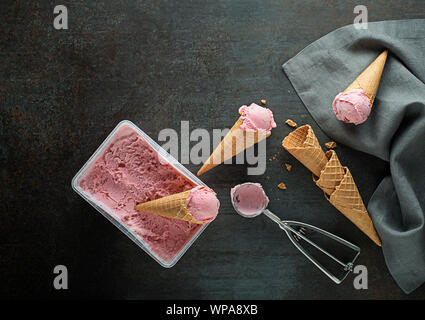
157,63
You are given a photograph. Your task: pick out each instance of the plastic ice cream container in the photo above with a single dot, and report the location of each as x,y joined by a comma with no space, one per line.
85,183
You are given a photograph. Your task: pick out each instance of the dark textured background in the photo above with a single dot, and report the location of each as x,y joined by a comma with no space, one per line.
157,63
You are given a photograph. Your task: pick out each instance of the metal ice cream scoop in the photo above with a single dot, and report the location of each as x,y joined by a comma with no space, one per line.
297,232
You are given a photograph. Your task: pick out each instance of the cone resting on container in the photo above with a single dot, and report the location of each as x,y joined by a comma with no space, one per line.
253,126
334,179
355,103
198,205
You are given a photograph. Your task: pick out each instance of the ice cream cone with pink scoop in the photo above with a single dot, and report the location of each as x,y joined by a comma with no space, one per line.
254,125
354,104
198,205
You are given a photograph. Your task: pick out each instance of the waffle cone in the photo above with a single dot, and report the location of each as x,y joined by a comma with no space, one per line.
369,79
234,142
304,146
341,191
173,206
334,179
347,200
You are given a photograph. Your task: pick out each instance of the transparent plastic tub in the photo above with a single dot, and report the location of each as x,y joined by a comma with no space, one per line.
112,217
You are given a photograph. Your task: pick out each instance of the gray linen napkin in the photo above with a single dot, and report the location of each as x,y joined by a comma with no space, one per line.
395,130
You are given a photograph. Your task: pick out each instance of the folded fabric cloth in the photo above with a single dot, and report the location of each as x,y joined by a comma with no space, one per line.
395,130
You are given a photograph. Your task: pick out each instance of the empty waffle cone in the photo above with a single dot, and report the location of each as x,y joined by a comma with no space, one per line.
234,142
334,179
173,206
369,79
341,191
304,146
346,199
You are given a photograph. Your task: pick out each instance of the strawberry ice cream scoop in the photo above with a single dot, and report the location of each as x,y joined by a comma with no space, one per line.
202,204
256,118
249,199
352,106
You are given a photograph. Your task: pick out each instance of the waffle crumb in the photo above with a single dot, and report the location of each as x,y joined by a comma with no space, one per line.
291,123
263,101
331,145
281,186
288,166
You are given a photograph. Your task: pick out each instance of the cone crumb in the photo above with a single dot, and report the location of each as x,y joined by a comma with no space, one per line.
288,166
281,186
263,101
331,145
291,123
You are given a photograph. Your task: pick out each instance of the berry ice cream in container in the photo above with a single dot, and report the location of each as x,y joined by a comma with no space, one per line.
146,193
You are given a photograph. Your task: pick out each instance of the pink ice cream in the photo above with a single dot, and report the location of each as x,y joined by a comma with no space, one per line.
352,106
128,172
202,204
256,118
249,198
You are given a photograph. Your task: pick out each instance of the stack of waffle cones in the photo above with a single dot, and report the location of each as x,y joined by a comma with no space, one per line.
234,142
369,79
173,206
334,179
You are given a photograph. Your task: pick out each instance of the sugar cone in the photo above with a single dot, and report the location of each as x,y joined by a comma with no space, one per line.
304,146
331,175
234,142
369,79
173,206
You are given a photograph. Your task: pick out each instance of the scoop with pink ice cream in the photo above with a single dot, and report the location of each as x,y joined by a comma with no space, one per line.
352,106
249,199
256,118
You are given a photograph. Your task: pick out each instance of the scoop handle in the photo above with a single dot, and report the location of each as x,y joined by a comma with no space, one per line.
295,236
